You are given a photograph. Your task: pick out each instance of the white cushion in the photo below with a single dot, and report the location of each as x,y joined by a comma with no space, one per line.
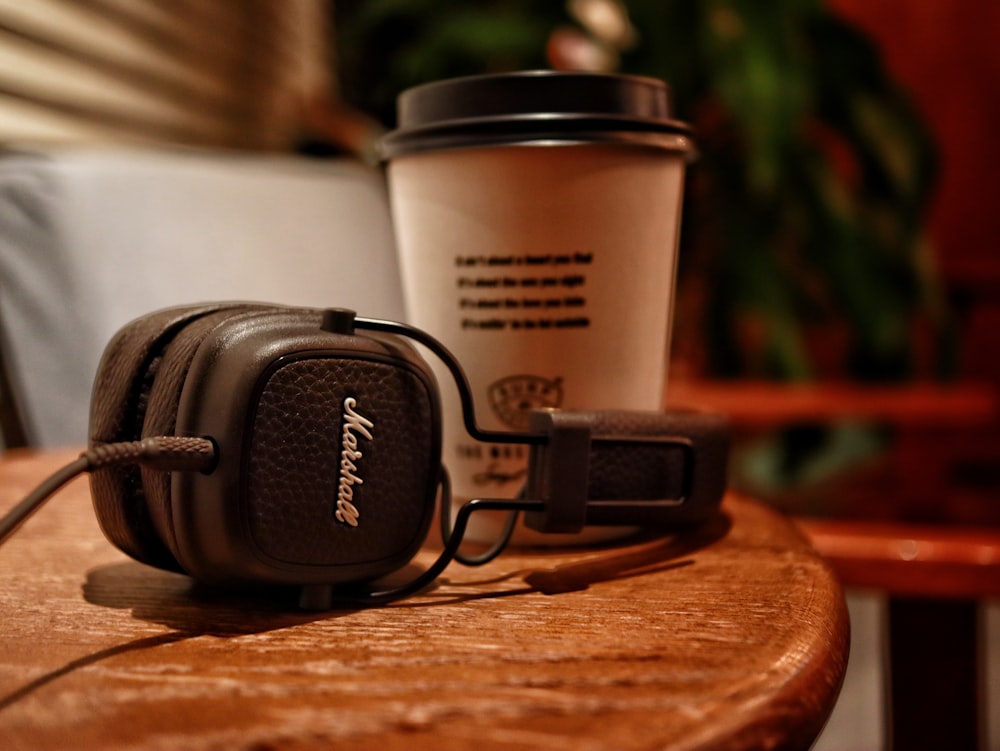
90,240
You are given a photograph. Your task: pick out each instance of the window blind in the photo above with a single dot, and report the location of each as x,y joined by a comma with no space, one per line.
197,72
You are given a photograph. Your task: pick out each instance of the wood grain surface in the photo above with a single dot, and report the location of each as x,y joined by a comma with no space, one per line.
733,636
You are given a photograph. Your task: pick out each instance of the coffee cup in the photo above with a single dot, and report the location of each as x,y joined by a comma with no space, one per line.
537,217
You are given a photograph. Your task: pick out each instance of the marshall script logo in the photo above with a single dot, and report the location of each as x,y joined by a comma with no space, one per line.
354,425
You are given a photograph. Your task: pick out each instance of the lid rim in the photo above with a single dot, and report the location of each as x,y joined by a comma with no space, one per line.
678,143
529,105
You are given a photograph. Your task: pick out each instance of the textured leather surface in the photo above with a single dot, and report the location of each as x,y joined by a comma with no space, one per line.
297,449
631,470
635,458
118,408
291,485
161,410
634,470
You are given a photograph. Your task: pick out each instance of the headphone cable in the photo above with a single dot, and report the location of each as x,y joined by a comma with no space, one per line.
161,452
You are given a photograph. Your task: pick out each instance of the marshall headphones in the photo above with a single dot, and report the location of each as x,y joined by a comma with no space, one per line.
248,444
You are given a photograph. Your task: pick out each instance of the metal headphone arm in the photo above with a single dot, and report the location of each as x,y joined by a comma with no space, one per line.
563,445
562,448
345,321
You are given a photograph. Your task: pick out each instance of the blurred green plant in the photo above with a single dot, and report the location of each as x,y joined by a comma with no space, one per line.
804,219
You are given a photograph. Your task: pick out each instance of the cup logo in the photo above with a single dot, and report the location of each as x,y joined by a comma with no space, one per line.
354,425
514,397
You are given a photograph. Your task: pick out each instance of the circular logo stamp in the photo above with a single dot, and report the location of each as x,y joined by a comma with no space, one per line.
512,398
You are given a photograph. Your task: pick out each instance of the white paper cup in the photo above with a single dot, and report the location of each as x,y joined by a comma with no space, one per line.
537,218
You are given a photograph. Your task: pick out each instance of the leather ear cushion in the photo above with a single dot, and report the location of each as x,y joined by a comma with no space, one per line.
118,409
161,411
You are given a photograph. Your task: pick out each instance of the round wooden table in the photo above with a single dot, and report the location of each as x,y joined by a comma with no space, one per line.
732,636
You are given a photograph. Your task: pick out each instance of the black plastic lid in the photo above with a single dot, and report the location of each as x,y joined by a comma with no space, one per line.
535,107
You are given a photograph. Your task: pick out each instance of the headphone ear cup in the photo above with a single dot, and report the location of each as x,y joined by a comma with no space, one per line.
329,453
119,405
161,412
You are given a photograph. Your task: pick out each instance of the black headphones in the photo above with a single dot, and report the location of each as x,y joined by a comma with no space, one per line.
247,444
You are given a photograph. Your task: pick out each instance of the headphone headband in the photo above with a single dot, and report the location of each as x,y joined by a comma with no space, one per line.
317,453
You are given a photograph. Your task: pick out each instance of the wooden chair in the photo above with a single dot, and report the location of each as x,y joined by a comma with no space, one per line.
936,574
935,579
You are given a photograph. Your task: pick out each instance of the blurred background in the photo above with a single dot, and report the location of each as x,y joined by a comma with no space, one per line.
839,288
837,225
827,225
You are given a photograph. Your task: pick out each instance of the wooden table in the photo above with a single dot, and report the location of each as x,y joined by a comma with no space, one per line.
729,637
